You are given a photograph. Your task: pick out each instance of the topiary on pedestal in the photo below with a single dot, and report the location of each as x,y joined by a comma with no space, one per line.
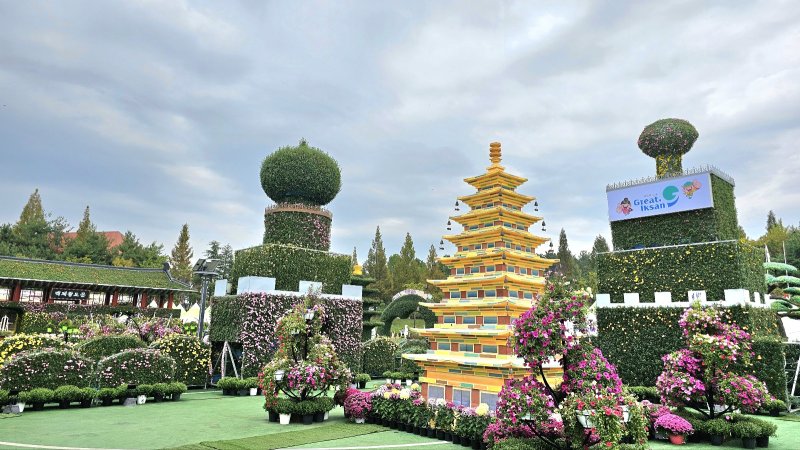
667,140
301,174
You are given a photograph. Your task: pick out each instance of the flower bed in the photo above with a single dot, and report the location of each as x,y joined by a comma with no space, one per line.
46,368
137,366
192,357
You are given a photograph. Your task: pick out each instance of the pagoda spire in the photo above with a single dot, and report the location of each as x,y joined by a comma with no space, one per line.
495,153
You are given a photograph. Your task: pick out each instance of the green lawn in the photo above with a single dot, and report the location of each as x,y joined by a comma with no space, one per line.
208,420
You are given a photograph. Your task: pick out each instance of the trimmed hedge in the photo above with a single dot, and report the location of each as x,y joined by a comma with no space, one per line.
47,368
35,316
192,357
136,366
103,346
700,225
379,356
289,265
23,342
301,229
227,316
667,137
769,365
401,308
301,174
634,339
712,267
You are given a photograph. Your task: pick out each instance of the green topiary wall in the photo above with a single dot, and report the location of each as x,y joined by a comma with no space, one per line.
712,267
289,265
769,364
300,229
701,225
635,339
227,315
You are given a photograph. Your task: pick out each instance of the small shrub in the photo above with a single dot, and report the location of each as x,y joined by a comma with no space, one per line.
67,393
108,393
136,366
104,346
46,368
717,427
23,342
159,389
746,430
40,395
649,393
192,357
144,389
363,378
3,397
228,383
251,383
378,355
175,387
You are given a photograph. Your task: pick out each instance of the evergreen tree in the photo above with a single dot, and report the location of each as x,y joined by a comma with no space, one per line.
34,235
408,269
434,270
376,263
88,246
32,211
131,253
600,245
213,251
354,258
225,262
771,220
566,260
181,257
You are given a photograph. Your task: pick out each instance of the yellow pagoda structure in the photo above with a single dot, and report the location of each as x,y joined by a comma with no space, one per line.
495,275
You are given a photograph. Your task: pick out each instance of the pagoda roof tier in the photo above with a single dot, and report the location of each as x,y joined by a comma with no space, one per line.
443,358
465,332
514,257
481,304
490,278
495,175
480,215
499,194
496,233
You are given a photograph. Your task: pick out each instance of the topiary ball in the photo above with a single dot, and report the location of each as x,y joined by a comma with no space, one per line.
667,137
301,174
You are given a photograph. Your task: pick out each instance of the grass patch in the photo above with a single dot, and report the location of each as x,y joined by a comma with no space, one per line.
289,438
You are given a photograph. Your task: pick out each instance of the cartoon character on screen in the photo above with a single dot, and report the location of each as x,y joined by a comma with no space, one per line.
624,207
690,187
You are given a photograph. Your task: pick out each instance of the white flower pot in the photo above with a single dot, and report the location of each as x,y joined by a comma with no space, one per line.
585,418
253,392
409,382
388,381
360,420
326,415
20,406
400,382
141,399
284,419
626,413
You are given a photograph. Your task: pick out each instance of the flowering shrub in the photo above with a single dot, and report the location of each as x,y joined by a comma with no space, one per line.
192,357
674,424
357,405
705,373
525,398
101,346
46,368
21,342
136,366
150,330
588,371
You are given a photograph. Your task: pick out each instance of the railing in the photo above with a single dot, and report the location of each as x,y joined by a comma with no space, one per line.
654,178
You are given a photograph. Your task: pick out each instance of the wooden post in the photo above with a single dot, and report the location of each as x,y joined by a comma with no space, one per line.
15,295
143,300
115,298
169,300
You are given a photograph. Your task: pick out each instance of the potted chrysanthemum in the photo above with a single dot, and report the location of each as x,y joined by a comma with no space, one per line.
676,427
357,406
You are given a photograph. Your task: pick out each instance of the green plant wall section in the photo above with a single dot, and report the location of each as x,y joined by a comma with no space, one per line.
289,265
701,225
712,267
635,339
227,316
296,228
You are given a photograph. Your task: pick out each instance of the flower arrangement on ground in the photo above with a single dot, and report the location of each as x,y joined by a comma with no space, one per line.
357,405
676,427
707,375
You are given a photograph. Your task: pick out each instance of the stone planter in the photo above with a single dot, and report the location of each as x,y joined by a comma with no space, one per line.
86,403
319,417
273,416
37,406
327,414
362,384
107,401
63,404
253,392
176,397
476,444
243,392
308,419
749,443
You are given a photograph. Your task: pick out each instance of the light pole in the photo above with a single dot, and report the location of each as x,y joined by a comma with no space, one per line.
205,269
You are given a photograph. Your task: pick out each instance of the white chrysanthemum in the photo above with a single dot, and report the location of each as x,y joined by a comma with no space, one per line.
482,409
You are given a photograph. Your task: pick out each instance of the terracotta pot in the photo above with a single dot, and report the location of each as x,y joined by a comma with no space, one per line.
677,439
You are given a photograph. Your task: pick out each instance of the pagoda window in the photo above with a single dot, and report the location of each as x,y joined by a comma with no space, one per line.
5,293
507,224
490,245
97,298
443,346
490,293
472,294
449,319
461,397
124,299
488,224
510,269
508,244
486,397
535,273
490,320
31,295
463,249
460,271
466,348
437,392
469,320
455,294
490,268
473,227
477,246
489,205
528,295
489,349
518,247
475,269
513,294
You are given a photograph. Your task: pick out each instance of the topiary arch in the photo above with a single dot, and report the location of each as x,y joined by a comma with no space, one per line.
402,308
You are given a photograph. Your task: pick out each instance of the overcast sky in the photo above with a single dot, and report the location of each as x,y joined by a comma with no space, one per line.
159,113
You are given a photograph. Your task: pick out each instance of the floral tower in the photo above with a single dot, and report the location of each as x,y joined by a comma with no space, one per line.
495,275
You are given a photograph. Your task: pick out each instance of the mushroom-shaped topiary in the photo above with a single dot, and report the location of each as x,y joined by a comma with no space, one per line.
300,174
667,140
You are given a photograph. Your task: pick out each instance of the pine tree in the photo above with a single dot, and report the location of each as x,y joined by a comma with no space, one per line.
181,257
772,221
407,269
376,263
32,211
354,258
566,260
434,269
88,246
225,262
213,251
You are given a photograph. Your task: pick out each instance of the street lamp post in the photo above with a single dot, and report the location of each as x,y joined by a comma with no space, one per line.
206,269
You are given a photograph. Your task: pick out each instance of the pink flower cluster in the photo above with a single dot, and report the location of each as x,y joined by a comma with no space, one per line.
674,424
358,404
745,391
589,371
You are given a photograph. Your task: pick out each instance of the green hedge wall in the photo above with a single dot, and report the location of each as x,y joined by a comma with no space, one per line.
700,225
227,316
769,364
635,339
103,346
34,317
401,309
301,229
289,265
712,267
135,366
379,356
